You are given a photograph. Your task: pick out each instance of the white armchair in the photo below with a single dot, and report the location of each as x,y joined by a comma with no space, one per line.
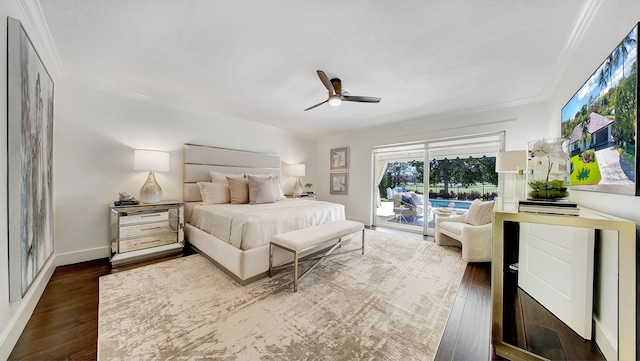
469,231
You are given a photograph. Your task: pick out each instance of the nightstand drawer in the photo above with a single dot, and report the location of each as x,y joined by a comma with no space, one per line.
139,217
135,244
147,229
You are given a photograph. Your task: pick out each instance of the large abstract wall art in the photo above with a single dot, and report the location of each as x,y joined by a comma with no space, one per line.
30,158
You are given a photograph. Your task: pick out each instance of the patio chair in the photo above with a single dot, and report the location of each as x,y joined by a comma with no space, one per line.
407,204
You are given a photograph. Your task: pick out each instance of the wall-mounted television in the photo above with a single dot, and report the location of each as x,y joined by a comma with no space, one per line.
601,122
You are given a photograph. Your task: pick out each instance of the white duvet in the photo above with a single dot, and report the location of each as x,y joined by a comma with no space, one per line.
248,226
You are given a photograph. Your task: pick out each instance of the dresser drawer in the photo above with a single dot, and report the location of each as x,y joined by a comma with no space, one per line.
134,244
146,229
140,217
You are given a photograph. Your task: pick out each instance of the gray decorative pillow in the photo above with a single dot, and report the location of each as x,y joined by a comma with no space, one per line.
277,188
479,213
261,190
239,190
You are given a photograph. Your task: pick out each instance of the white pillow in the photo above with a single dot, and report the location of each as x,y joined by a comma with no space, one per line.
261,190
222,177
214,192
480,213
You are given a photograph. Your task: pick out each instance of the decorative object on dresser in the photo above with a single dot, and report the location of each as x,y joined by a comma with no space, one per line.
565,208
126,199
29,170
548,169
302,196
309,186
138,232
151,160
296,170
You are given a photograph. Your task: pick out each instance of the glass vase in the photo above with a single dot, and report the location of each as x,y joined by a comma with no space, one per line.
548,169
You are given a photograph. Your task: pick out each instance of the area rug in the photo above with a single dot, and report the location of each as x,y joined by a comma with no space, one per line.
392,303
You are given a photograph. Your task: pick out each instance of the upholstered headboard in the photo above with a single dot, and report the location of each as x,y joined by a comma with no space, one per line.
199,160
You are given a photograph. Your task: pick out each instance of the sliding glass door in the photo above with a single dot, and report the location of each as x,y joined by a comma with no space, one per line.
399,200
407,190
459,171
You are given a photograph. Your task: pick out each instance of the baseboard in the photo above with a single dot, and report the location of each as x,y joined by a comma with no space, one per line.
82,256
27,305
16,324
605,340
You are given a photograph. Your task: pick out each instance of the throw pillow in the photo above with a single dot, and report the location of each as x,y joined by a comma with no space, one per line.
214,192
408,200
277,188
261,190
479,213
238,190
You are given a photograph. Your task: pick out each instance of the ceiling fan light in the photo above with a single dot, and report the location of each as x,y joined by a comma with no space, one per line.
335,100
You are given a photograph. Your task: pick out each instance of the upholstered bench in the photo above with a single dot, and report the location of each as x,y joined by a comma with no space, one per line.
305,239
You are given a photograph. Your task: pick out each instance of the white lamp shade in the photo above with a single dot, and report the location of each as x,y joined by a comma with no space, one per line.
296,170
511,161
150,160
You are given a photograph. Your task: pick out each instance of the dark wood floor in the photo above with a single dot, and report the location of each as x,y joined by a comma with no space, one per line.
64,325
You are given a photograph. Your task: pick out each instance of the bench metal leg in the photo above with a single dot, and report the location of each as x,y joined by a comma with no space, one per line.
295,271
363,241
270,260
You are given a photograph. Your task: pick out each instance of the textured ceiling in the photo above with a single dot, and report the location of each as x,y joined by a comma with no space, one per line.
257,60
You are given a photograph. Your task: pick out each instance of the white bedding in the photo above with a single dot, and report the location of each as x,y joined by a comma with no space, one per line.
248,226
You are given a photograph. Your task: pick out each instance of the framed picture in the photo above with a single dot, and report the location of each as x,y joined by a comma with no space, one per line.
30,147
339,183
601,123
340,159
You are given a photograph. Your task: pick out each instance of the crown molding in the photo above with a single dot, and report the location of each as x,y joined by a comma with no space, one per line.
587,13
36,27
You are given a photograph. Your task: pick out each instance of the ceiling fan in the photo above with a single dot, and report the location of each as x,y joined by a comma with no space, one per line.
337,95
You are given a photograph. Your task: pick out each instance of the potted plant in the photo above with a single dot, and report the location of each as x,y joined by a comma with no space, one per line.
308,186
548,178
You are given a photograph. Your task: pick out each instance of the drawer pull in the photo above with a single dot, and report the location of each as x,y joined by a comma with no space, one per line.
150,229
150,215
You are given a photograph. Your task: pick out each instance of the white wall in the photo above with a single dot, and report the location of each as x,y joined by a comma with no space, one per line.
96,131
518,122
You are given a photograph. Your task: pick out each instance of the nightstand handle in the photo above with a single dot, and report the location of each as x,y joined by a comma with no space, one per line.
150,215
150,229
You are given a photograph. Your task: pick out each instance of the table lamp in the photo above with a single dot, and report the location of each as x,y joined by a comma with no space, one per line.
513,162
297,170
151,160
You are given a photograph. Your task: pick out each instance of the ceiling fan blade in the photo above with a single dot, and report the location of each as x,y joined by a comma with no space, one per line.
355,98
317,105
327,83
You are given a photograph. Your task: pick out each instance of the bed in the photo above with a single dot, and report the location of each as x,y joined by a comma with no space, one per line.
236,236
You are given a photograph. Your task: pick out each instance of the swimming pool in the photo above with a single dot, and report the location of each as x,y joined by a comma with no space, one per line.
439,203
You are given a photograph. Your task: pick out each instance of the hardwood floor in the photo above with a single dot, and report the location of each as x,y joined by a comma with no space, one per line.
64,325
